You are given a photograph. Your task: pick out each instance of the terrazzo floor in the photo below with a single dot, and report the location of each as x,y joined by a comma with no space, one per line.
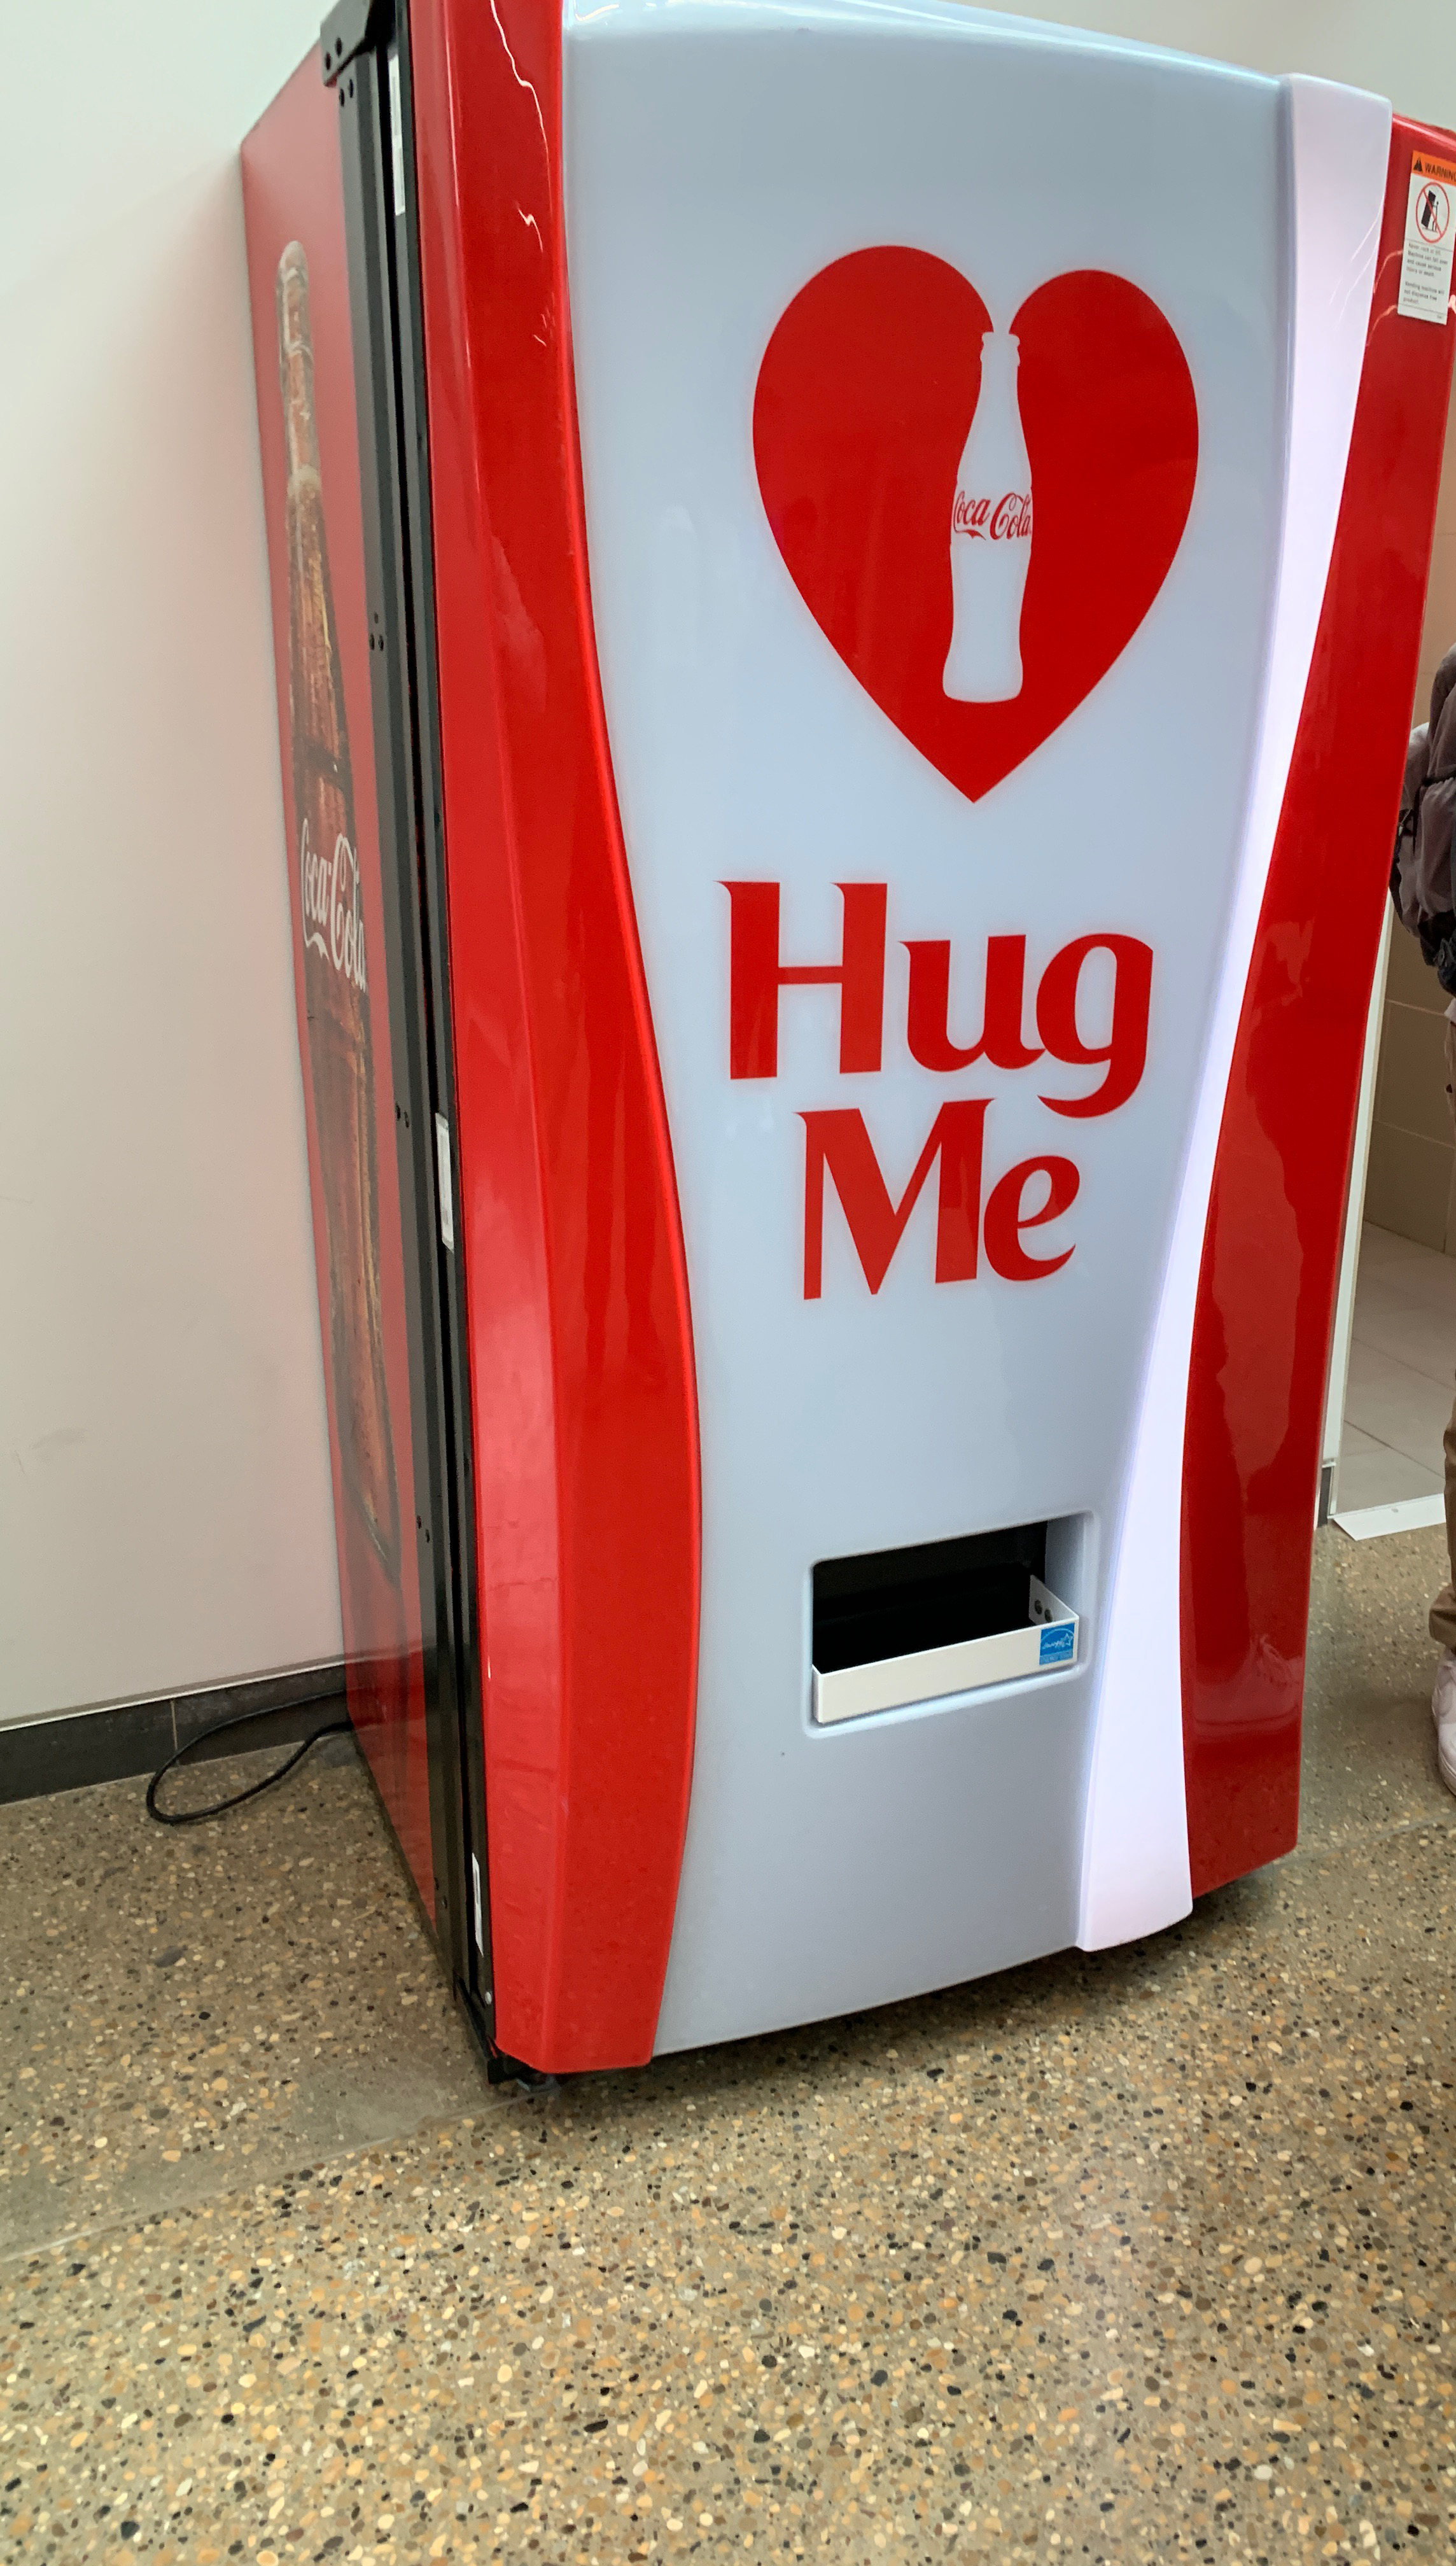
1132,2257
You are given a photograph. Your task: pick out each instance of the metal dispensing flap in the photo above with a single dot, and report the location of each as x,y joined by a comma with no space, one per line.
1045,1641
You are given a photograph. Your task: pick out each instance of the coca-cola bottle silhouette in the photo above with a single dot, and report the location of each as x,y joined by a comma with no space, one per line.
990,537
336,963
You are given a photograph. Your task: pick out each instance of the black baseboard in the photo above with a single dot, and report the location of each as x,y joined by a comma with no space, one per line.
79,1747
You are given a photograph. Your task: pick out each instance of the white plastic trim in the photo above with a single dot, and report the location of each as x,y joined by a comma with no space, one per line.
1136,1874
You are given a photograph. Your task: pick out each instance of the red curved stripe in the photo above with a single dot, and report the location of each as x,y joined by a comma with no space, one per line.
1266,1292
583,1381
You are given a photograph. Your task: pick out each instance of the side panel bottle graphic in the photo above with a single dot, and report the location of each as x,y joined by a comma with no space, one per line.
336,975
990,537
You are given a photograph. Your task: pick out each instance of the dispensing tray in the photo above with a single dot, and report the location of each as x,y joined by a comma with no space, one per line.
980,1608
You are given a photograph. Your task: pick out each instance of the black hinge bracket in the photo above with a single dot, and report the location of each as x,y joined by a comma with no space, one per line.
349,27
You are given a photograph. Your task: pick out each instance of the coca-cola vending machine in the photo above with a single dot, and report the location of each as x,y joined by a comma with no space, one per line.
847,585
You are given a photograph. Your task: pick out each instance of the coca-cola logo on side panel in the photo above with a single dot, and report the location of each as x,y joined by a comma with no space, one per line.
333,912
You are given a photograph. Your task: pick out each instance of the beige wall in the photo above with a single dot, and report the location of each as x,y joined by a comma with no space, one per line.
1400,49
166,1512
1412,1179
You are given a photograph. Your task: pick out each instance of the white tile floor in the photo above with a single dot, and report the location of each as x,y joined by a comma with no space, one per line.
1402,1359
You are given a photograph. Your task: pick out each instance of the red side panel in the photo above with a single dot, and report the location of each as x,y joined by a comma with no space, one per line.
293,193
1266,1295
580,1353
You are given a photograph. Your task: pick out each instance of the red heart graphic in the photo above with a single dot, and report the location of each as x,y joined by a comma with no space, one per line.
864,397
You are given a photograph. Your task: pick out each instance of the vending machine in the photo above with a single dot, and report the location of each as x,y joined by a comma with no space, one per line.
847,583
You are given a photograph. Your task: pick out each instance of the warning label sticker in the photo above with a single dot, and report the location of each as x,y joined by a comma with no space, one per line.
1430,237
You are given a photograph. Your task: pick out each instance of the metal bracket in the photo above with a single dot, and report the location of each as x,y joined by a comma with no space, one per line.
501,2070
351,26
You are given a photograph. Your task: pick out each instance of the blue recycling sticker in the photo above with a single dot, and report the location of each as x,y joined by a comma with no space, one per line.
1059,1643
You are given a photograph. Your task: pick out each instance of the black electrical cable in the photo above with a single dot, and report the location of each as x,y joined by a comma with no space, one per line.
217,1808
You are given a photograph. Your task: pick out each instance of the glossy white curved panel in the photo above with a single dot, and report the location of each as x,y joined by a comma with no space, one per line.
1136,1853
720,157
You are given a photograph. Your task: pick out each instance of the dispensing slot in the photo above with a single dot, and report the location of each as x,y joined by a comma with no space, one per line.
896,1627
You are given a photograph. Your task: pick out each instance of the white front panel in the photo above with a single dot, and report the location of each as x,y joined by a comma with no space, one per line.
717,158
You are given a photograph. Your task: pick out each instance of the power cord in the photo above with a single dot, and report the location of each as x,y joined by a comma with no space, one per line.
217,1808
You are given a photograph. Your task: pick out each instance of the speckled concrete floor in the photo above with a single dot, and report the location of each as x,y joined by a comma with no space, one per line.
1125,2259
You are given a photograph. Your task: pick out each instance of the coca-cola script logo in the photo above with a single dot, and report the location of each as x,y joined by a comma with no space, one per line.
332,914
864,397
998,521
